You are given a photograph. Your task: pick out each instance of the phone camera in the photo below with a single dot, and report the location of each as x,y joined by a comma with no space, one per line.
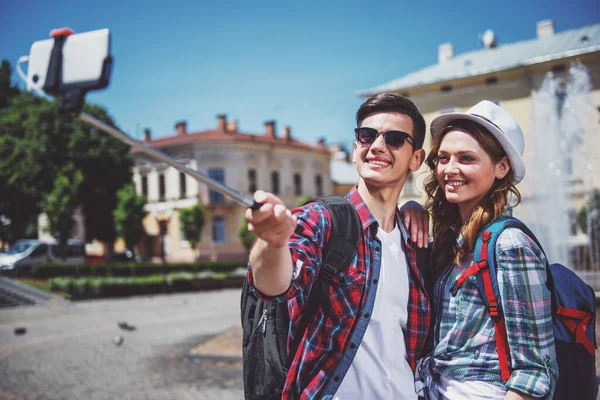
35,78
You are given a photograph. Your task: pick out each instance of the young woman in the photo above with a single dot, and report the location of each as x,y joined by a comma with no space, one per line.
475,163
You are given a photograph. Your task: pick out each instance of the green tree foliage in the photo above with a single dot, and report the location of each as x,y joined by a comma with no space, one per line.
35,144
192,221
8,90
593,208
246,237
304,200
60,204
128,216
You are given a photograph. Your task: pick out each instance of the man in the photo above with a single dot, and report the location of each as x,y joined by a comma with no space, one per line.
366,343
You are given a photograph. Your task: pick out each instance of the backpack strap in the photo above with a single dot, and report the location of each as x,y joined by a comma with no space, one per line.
484,269
337,254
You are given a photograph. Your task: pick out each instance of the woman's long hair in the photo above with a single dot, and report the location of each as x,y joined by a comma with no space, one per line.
446,216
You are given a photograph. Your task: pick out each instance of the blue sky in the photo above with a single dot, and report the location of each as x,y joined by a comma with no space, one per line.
299,63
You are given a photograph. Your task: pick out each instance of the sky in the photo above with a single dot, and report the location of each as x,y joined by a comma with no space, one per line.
300,63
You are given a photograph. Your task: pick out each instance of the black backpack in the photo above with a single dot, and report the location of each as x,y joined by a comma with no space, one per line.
265,326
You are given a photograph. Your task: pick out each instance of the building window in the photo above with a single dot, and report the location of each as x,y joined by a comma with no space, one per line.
252,180
218,229
218,175
182,186
162,189
144,186
319,185
297,184
275,182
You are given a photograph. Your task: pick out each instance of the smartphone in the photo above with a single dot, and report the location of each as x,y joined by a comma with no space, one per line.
86,62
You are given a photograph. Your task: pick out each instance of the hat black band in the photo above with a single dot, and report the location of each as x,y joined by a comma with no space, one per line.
484,118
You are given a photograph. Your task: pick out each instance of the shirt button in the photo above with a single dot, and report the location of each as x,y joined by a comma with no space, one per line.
377,248
352,346
366,315
336,378
375,281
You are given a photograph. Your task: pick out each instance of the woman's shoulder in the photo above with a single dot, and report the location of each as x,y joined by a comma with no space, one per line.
515,241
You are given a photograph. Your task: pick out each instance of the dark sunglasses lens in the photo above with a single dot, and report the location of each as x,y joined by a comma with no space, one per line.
395,139
366,135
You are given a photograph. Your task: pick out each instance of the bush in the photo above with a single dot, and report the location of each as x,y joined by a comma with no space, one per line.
128,269
99,287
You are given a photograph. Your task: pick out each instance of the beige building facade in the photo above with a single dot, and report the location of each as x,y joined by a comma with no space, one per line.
512,75
246,162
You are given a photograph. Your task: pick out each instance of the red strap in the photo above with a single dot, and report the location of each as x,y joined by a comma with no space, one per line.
499,324
502,347
472,270
567,315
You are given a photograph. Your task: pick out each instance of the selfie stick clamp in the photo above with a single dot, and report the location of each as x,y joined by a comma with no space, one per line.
71,98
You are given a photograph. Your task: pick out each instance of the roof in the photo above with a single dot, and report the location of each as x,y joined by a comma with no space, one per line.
220,136
508,56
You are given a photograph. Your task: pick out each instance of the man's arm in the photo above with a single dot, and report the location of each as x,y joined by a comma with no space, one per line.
270,259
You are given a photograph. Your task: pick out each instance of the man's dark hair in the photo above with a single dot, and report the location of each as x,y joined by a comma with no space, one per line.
394,103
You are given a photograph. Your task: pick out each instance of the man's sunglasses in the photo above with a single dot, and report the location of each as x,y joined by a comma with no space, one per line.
393,139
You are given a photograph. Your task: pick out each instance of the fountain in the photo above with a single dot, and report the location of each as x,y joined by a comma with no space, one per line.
564,154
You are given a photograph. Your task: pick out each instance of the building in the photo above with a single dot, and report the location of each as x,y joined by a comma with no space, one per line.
246,162
520,76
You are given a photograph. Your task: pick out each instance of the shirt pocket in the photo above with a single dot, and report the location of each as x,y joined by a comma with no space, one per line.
345,293
473,325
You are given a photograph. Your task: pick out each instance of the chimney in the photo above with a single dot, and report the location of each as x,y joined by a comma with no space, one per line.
287,133
147,136
545,28
232,127
222,122
445,52
270,129
321,142
181,128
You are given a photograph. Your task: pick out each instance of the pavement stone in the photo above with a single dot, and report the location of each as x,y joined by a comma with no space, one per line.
69,353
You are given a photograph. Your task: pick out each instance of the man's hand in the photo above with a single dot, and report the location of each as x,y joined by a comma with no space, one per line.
272,222
416,219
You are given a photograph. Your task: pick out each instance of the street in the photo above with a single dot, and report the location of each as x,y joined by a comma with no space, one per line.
72,350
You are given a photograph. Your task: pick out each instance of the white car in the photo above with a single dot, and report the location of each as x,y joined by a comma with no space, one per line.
31,252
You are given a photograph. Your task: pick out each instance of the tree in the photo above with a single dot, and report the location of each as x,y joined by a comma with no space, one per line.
589,211
192,221
304,200
60,205
128,216
36,142
246,237
7,89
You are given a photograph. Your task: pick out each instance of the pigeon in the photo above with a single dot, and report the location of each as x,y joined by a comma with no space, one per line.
126,326
20,330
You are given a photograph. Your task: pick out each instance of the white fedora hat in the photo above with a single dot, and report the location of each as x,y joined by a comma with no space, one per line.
500,124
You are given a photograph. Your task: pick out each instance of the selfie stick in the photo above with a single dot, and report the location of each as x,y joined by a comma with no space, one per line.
71,100
152,152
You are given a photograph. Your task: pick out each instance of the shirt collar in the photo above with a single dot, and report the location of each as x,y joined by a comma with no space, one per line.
367,219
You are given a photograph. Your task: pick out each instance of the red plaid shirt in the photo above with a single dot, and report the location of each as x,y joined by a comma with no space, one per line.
332,338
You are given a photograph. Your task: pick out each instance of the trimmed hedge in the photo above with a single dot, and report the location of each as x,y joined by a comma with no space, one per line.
126,269
101,287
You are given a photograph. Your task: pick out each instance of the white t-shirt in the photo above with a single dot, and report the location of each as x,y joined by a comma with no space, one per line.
380,369
452,389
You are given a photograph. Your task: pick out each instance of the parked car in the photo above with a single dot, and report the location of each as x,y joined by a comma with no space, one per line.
31,252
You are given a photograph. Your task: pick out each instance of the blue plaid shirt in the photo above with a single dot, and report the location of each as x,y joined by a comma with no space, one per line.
464,345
